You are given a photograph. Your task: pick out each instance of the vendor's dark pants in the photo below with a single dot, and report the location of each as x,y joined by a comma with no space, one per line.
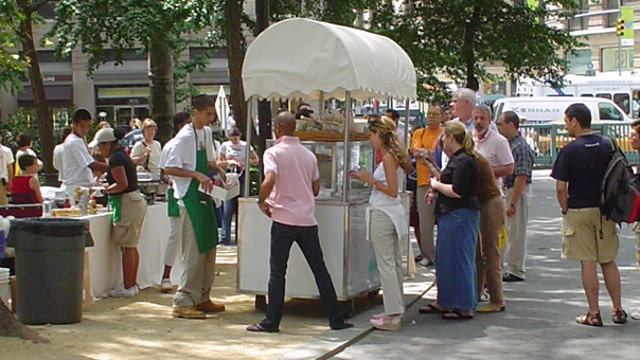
282,237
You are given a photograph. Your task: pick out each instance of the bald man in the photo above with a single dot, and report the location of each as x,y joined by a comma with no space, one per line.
291,182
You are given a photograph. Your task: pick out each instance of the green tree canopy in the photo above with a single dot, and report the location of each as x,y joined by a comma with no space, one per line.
152,27
460,38
13,66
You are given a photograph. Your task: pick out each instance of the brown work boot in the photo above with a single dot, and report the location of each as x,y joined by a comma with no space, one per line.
210,307
188,312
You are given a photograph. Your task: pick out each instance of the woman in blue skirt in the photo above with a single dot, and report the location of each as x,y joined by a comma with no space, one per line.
458,213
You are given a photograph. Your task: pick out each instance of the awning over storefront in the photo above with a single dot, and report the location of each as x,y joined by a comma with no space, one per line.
59,93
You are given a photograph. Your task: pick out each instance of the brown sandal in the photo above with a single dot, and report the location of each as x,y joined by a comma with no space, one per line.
590,319
619,316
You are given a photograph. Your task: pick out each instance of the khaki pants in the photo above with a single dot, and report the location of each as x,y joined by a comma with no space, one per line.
198,270
427,218
488,255
386,246
516,245
3,195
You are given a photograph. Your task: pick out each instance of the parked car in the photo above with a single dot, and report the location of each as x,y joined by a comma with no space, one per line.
130,139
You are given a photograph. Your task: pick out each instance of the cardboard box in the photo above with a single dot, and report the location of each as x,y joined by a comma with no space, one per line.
223,193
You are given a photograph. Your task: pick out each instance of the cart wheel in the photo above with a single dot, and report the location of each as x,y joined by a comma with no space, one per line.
261,302
348,308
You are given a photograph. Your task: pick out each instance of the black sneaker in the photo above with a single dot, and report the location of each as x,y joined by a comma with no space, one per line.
511,278
341,326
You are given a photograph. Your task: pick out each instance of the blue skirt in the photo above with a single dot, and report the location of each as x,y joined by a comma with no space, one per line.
456,259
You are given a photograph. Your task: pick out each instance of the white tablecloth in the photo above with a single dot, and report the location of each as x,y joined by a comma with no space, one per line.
105,259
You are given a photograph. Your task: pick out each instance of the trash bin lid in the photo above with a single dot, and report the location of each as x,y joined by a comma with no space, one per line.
55,227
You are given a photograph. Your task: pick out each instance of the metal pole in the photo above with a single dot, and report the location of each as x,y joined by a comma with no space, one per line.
321,105
619,55
346,153
250,127
619,45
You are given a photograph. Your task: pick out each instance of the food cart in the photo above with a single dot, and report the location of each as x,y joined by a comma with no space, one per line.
307,59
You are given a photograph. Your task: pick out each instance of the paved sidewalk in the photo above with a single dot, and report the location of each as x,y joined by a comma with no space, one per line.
539,322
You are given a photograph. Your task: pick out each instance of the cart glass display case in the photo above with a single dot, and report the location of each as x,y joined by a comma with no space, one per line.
330,157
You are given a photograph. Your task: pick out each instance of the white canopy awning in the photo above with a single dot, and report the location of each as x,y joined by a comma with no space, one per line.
298,58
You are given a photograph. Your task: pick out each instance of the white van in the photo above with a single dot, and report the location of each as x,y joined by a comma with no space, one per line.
544,109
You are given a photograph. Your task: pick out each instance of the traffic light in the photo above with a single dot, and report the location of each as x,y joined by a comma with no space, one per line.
620,27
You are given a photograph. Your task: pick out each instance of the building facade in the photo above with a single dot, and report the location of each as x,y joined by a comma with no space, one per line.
114,92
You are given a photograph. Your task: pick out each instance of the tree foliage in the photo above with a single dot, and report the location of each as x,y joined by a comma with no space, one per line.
13,66
460,38
156,28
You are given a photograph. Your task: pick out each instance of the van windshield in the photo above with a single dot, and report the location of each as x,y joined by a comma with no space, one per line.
608,112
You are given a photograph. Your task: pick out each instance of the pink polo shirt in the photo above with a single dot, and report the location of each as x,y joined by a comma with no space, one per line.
292,201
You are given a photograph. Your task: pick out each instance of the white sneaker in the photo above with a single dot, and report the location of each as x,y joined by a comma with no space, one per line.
636,315
165,285
484,297
121,292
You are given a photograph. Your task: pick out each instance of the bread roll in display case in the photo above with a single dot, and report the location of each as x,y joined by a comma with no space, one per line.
347,252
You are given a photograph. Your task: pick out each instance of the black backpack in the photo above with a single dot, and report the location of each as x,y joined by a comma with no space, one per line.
620,193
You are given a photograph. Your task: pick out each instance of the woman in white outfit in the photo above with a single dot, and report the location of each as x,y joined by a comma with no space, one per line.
388,221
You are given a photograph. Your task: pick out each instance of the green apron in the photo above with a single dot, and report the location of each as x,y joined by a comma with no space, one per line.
172,204
115,203
200,208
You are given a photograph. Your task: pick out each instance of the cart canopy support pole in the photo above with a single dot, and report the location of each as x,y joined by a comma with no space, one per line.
346,154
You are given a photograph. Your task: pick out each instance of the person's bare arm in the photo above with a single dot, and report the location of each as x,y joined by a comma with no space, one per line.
562,195
99,165
503,170
265,189
121,183
253,158
200,177
35,186
518,188
446,189
213,166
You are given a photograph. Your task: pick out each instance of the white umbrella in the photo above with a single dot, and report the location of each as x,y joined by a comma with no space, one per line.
222,107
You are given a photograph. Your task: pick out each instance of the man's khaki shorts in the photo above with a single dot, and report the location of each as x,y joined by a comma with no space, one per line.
582,238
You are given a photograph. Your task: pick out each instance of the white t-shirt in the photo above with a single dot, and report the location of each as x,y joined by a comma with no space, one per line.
6,159
57,160
182,154
75,162
236,152
19,154
154,156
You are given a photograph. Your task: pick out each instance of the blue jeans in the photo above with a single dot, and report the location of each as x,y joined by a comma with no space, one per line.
230,208
282,237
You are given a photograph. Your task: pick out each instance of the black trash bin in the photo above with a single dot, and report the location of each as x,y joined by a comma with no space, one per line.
49,268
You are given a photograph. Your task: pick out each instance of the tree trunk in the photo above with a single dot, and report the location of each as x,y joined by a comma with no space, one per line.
162,86
469,48
235,53
11,327
264,107
45,122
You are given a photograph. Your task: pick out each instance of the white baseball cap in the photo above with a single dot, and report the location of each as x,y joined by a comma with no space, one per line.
102,136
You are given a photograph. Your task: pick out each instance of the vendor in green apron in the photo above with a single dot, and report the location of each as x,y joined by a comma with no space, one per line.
188,161
173,211
127,205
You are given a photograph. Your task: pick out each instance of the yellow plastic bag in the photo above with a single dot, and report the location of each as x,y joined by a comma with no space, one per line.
502,237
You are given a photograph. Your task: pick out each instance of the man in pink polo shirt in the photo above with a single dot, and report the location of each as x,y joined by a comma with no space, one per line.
291,182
